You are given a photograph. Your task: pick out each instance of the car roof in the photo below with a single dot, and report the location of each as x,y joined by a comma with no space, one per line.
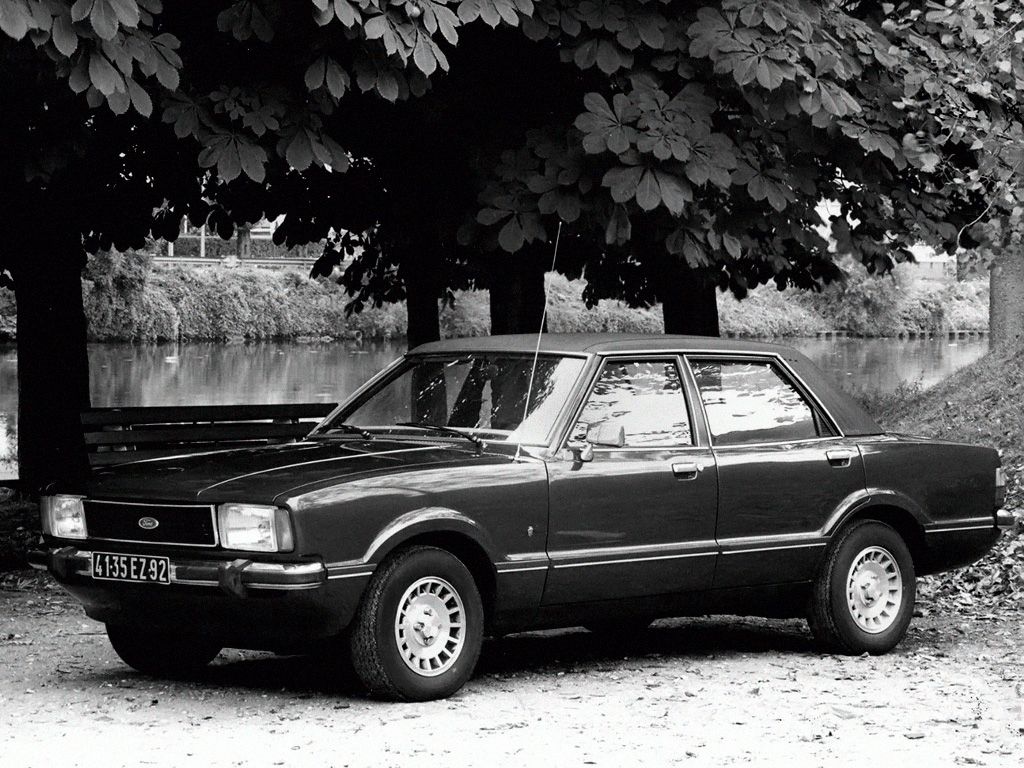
849,415
598,343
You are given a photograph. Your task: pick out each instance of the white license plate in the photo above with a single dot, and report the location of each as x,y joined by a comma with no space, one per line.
146,569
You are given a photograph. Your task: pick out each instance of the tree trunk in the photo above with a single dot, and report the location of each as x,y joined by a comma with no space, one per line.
243,244
53,369
517,295
1006,299
421,273
689,301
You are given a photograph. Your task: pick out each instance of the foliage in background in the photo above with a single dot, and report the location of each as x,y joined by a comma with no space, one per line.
897,303
711,131
127,300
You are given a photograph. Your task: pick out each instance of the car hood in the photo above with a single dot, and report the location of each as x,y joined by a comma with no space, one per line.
261,475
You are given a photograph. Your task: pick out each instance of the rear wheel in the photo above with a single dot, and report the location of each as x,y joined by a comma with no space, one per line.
863,598
161,654
419,628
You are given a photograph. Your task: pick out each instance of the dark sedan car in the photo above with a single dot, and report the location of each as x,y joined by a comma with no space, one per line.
485,486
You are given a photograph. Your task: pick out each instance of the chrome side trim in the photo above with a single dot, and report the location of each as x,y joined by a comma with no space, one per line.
771,443
524,557
962,528
522,570
678,550
634,560
773,549
349,575
640,551
751,542
961,522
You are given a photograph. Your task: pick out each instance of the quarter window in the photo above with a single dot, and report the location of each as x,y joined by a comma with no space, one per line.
645,398
751,402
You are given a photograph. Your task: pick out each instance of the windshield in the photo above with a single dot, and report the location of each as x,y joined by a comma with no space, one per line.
482,394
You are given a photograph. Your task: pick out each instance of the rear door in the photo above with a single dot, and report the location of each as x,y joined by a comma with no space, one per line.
783,469
638,519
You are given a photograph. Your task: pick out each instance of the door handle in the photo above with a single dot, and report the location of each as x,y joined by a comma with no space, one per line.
686,470
840,457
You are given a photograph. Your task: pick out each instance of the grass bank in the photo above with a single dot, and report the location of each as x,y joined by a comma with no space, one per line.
126,300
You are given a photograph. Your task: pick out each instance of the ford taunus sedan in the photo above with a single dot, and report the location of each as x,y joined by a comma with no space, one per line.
485,486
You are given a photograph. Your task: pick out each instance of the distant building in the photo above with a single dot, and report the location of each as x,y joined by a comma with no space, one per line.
930,265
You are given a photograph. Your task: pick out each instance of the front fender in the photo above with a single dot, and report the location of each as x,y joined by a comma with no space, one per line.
426,520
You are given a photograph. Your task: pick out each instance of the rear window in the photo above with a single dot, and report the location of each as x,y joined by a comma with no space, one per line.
751,401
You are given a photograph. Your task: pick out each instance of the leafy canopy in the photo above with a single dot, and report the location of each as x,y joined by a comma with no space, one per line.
710,131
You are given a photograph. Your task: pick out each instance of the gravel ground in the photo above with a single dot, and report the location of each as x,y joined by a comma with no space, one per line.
702,691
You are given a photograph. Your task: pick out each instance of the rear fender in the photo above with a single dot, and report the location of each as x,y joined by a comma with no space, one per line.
874,497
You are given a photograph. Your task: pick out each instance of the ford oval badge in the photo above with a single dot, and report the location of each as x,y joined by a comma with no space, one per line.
148,523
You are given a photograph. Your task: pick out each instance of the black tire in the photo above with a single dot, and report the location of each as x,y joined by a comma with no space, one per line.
161,654
376,653
842,605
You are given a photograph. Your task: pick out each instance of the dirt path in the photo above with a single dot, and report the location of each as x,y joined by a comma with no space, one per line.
706,691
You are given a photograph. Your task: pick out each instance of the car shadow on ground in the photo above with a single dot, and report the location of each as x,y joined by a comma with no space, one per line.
678,639
528,653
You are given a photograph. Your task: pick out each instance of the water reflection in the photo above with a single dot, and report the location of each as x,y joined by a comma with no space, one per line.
881,365
214,373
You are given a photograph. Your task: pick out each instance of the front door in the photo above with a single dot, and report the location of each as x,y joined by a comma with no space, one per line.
639,519
783,470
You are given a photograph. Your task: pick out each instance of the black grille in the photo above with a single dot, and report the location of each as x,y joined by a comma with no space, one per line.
176,524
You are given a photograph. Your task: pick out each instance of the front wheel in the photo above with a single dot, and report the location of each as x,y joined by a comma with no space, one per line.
863,598
161,654
419,628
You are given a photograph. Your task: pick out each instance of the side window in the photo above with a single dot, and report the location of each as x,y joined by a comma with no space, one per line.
645,398
751,402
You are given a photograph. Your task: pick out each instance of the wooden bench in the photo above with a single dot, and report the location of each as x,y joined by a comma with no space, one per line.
117,435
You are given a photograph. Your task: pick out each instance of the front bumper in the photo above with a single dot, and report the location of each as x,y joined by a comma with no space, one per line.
1004,519
277,606
234,577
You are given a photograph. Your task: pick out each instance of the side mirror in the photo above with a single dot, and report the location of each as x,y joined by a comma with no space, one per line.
606,434
581,452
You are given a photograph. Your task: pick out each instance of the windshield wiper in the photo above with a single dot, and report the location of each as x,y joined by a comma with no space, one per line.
349,429
480,445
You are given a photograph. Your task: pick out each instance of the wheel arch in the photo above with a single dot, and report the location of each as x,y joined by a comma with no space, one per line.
448,530
904,522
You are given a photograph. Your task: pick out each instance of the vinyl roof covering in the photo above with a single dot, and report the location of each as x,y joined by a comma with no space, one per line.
851,417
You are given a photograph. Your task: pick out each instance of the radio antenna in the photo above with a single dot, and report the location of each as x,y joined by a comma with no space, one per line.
540,332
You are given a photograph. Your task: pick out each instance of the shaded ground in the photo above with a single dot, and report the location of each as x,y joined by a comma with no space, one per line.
721,691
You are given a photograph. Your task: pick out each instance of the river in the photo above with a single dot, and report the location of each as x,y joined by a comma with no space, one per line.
219,373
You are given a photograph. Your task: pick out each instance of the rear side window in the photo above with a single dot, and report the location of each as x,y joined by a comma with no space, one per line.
752,402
